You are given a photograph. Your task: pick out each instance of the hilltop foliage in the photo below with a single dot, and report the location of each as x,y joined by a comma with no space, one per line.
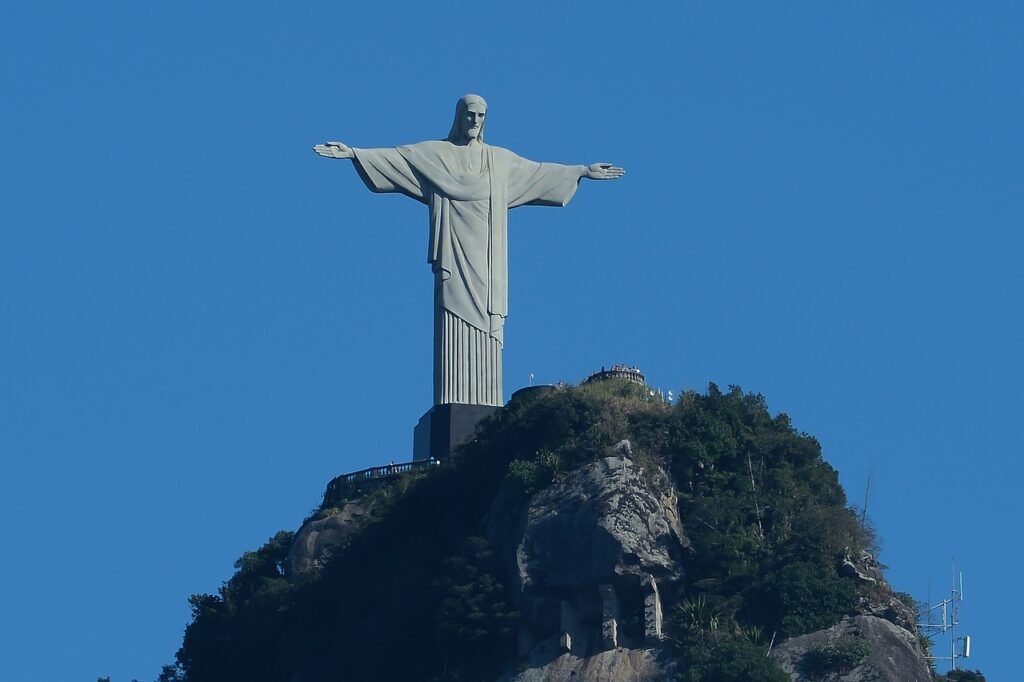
418,594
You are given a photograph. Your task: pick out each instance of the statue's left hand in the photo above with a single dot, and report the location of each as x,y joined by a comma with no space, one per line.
604,171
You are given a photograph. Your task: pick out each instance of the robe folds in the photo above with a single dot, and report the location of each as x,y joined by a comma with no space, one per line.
469,190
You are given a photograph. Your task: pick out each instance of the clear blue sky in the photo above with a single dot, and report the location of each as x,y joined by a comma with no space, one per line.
201,322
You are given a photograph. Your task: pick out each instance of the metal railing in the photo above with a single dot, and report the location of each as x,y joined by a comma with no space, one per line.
384,472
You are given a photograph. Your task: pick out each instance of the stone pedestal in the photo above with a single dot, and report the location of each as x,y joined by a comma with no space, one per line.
444,427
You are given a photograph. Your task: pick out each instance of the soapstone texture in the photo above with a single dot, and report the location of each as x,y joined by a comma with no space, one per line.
469,187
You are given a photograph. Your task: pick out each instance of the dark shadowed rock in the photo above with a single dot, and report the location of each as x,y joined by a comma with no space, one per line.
316,538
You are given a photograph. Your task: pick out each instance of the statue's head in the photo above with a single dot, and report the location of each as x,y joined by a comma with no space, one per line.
470,113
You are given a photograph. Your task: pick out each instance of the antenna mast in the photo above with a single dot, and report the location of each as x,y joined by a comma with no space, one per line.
949,622
864,509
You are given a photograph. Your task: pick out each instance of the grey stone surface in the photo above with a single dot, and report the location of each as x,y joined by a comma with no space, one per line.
585,556
601,521
315,539
880,601
615,665
895,654
469,187
653,618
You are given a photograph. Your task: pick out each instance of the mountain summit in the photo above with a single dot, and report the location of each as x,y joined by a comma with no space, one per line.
585,533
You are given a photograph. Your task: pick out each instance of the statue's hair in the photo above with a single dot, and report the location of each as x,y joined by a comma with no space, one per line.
460,111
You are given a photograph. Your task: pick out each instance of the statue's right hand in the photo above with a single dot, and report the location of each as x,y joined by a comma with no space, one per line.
334,150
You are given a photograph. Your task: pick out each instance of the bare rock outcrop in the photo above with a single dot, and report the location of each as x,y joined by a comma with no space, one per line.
610,518
857,649
634,665
316,538
882,601
590,551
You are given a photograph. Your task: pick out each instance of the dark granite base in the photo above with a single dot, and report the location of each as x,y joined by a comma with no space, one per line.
445,427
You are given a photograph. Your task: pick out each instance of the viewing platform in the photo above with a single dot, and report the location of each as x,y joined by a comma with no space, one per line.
451,425
627,372
378,474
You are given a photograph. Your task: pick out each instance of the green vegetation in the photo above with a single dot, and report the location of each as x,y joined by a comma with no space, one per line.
418,593
730,660
767,523
714,653
840,657
964,676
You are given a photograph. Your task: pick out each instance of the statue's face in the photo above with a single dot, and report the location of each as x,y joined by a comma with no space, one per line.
473,121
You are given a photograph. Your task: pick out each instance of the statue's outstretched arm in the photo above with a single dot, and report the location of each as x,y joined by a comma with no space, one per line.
603,171
334,150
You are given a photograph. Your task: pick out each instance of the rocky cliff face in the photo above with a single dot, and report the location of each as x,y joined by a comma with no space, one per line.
587,556
711,535
590,554
886,652
316,538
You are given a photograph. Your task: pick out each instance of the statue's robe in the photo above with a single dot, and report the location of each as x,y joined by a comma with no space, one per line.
469,190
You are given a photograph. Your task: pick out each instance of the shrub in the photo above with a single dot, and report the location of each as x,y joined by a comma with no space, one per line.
800,597
841,657
533,474
965,676
732,660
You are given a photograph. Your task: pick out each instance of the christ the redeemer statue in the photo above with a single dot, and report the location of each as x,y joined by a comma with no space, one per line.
469,187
